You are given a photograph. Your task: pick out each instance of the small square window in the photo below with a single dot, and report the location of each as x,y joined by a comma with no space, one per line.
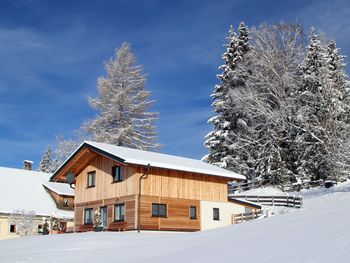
88,216
117,172
91,176
159,210
193,212
119,213
12,228
216,214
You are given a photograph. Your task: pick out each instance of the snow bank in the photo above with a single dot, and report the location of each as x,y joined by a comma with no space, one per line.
317,233
263,191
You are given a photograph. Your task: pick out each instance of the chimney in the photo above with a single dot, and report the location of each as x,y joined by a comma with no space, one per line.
27,165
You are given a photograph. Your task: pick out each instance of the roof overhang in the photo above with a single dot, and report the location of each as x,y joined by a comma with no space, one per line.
79,160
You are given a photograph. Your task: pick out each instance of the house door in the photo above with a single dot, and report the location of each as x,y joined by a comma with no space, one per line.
104,216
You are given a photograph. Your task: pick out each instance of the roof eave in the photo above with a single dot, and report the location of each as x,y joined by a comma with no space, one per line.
82,146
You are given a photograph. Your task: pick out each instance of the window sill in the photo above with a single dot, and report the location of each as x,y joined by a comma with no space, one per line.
118,221
160,216
92,186
114,182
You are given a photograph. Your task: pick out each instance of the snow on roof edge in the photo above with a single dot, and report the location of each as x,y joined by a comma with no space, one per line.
56,190
222,173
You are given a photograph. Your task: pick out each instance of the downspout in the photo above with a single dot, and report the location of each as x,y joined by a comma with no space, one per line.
145,174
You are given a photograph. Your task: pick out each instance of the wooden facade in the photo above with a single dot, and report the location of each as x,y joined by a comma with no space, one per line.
178,190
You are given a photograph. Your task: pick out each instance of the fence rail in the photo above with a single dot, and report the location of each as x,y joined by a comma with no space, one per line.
239,218
244,186
273,200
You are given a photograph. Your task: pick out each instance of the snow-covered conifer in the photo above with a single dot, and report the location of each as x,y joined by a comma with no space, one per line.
313,113
123,105
46,163
224,148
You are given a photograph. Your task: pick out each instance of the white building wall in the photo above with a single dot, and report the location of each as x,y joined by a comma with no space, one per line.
226,210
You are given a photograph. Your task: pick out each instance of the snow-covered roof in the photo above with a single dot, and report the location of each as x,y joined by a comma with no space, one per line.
23,190
59,188
134,156
243,201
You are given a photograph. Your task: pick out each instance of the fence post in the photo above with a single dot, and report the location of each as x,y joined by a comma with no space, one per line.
273,201
242,218
287,200
293,200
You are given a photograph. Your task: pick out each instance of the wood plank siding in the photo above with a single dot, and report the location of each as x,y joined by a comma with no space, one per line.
159,182
178,214
128,201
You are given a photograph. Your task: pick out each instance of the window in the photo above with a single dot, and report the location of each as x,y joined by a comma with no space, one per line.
159,210
216,214
117,173
12,228
88,218
40,229
193,212
91,179
103,211
119,213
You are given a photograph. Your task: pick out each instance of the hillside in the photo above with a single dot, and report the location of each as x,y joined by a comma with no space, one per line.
319,232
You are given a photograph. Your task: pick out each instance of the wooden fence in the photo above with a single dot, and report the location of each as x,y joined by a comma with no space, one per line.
239,218
273,200
244,186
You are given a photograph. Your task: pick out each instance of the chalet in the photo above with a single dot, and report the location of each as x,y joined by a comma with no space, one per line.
136,189
26,190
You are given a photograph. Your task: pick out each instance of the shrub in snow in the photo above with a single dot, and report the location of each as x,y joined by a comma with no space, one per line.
97,219
55,224
46,227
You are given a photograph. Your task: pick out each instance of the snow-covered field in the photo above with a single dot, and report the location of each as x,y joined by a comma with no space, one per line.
319,232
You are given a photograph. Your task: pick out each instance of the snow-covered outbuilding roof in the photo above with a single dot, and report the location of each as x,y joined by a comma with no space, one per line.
23,190
154,159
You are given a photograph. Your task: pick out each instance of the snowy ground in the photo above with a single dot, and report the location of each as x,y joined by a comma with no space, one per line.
319,233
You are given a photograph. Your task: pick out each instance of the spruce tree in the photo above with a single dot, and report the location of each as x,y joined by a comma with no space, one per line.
123,105
225,149
338,87
313,114
46,163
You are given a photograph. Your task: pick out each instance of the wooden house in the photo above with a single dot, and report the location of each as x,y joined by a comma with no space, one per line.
152,191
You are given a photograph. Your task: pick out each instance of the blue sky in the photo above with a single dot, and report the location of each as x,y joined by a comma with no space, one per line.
52,52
